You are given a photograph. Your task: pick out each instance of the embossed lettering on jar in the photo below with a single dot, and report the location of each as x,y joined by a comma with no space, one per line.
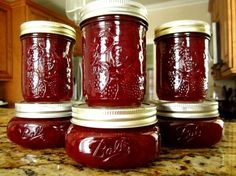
189,125
39,126
47,61
114,54
182,55
113,138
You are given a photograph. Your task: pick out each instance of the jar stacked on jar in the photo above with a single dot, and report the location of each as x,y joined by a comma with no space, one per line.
187,118
43,118
114,129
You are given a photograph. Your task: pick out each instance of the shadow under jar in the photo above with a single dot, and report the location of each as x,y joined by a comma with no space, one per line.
189,125
39,125
182,55
114,138
114,53
47,50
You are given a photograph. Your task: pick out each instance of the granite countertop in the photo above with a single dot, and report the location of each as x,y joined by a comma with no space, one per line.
17,161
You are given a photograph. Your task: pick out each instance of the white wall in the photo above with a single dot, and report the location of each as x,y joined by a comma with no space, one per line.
176,10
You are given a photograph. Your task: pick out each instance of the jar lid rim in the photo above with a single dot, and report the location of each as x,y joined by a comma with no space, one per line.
45,115
179,26
119,124
42,107
192,110
112,7
189,115
40,26
114,117
176,106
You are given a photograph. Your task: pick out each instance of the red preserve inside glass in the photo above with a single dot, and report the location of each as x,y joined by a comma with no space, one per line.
190,133
193,125
47,49
38,133
114,55
113,148
182,60
113,138
39,130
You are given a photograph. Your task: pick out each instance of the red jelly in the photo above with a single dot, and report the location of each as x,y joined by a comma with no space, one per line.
39,126
182,53
192,125
117,139
47,49
114,53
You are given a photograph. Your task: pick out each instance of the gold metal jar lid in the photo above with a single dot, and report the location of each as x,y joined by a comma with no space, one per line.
43,107
187,107
46,115
47,27
183,26
113,7
190,110
114,117
43,110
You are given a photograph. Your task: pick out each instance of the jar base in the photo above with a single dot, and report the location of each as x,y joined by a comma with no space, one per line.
182,99
113,148
38,133
112,103
190,133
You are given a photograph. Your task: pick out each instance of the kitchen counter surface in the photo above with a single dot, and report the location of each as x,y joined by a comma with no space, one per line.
17,161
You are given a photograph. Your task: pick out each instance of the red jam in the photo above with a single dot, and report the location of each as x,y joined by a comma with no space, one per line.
118,138
46,62
189,133
38,133
114,60
40,125
113,148
189,125
181,64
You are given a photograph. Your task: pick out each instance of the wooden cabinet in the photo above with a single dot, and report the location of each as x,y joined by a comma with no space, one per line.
224,12
33,13
36,12
12,15
5,42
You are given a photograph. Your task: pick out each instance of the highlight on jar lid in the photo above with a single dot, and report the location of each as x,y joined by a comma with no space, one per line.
114,117
116,7
187,107
43,110
47,27
190,110
183,26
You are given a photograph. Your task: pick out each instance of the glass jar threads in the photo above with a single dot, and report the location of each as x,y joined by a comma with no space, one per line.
47,61
114,52
182,52
39,126
113,138
189,125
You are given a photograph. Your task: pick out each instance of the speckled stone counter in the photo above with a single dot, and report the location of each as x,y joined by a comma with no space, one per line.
17,161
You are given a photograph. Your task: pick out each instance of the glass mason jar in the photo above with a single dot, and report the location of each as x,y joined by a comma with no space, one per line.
182,54
189,125
47,50
114,138
39,125
114,52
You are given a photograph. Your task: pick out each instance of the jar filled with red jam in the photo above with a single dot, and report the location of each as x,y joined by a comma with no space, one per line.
47,49
182,54
39,125
114,52
189,125
114,138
